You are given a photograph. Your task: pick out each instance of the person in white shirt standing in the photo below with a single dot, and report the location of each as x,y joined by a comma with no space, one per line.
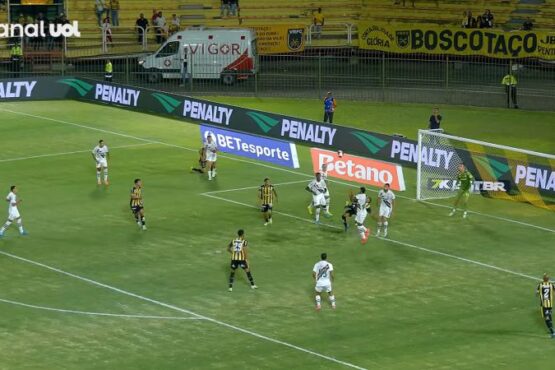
101,154
323,277
361,202
318,189
386,200
13,212
210,156
324,174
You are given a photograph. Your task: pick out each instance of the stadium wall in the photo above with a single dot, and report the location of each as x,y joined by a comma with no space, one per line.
301,131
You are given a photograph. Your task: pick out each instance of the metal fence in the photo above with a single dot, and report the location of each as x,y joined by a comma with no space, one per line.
349,72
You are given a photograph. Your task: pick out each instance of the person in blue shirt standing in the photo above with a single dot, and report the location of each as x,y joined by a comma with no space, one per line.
329,107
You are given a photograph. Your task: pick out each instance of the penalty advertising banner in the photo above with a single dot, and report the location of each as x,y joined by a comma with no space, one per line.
255,147
358,169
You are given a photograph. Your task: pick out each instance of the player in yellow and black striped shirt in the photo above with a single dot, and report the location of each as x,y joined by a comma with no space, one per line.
136,203
238,249
266,197
545,291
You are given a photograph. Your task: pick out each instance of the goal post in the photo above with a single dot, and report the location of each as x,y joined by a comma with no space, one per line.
500,171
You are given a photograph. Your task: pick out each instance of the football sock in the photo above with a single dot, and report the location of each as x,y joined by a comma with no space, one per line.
361,231
379,226
344,220
98,176
385,226
6,225
105,175
317,217
549,324
231,278
328,205
20,226
143,221
249,275
332,300
318,300
209,174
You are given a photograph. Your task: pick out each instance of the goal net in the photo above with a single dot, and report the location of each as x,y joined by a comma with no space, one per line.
500,171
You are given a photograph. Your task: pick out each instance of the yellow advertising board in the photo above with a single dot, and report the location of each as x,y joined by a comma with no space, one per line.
431,39
279,38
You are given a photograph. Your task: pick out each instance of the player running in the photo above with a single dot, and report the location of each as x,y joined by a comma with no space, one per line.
201,162
545,291
238,249
13,212
210,156
362,203
465,180
101,154
136,203
266,196
318,189
323,277
324,174
386,201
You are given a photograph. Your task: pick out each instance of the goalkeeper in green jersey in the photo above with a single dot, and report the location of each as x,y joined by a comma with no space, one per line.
465,180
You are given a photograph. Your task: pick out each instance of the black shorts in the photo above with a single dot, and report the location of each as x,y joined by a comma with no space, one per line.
266,208
237,263
136,209
546,312
350,210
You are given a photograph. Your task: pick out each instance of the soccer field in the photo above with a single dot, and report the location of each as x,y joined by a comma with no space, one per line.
87,290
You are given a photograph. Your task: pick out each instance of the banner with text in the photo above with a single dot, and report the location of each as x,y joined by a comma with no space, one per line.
279,38
431,39
255,147
358,169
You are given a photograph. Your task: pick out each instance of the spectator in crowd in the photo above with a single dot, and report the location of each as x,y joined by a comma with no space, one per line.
3,5
480,23
174,25
510,83
141,23
160,24
16,55
468,20
527,25
224,8
318,20
40,41
99,8
58,41
154,16
107,30
114,12
233,6
329,107
487,18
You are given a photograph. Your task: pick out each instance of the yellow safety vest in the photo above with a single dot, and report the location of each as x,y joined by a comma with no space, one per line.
108,68
16,51
509,80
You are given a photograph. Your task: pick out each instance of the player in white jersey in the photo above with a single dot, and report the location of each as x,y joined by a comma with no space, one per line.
210,156
100,154
386,201
13,212
362,203
323,277
324,174
318,189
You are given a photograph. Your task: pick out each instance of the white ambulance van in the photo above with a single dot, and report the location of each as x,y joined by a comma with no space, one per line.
228,54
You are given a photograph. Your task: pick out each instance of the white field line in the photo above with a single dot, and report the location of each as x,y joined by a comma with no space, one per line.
432,251
251,187
258,164
69,153
61,310
183,310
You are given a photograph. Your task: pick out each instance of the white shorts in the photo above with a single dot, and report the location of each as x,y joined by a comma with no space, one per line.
327,194
102,163
323,288
361,216
211,157
13,214
318,200
385,211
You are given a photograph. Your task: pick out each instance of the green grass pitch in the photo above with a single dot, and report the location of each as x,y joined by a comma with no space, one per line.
88,290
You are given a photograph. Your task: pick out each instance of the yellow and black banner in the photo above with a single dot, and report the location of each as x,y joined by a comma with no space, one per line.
431,39
279,38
